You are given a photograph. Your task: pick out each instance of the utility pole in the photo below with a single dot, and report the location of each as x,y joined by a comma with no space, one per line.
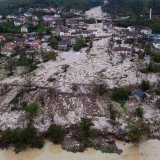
150,16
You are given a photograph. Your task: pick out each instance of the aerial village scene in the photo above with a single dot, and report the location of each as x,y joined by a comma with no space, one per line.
77,72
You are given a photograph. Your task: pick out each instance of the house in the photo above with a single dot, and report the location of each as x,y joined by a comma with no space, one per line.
73,41
55,33
18,23
24,29
89,33
146,30
20,41
132,35
131,28
45,38
36,44
11,17
64,33
32,36
7,49
35,18
64,44
107,25
139,94
122,50
48,18
28,15
2,38
156,44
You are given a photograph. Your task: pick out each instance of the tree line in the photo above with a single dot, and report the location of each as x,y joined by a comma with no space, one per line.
132,7
9,6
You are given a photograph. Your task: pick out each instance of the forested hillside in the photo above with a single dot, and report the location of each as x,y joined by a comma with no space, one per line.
8,6
132,7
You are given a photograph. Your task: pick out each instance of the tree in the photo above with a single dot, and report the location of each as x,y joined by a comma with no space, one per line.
119,42
54,42
80,43
56,133
49,56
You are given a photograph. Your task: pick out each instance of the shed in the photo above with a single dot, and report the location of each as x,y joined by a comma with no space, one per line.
139,94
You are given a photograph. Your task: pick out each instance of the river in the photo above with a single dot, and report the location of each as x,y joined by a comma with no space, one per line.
148,150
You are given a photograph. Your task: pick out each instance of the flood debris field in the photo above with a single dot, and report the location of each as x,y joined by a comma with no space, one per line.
66,90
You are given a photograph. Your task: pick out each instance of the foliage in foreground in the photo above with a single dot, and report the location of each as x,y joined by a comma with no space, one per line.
55,133
21,138
120,94
137,129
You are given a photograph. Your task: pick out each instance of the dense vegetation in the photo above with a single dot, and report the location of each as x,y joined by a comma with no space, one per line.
9,6
132,7
21,138
154,24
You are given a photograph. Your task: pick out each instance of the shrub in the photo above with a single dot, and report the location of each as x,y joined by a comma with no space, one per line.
49,56
120,94
91,21
55,133
101,90
153,68
139,112
31,109
157,103
145,85
137,129
85,128
112,113
155,57
21,138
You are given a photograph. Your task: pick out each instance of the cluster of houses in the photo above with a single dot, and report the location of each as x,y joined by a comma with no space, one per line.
67,25
127,40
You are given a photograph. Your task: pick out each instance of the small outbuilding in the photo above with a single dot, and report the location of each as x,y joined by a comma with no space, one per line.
139,94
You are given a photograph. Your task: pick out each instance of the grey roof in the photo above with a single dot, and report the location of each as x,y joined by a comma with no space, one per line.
139,93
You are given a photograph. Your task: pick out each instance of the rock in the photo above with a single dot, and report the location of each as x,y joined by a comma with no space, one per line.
73,145
105,145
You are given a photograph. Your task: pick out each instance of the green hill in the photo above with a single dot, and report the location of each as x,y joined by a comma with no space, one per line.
8,6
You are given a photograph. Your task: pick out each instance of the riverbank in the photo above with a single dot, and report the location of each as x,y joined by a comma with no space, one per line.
148,150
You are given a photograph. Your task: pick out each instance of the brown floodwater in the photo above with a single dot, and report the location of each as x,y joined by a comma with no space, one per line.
148,150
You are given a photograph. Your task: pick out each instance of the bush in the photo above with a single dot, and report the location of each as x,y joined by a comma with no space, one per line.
120,94
137,129
31,109
155,57
112,113
21,138
85,128
154,68
49,56
157,103
139,112
145,85
101,90
91,21
55,133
